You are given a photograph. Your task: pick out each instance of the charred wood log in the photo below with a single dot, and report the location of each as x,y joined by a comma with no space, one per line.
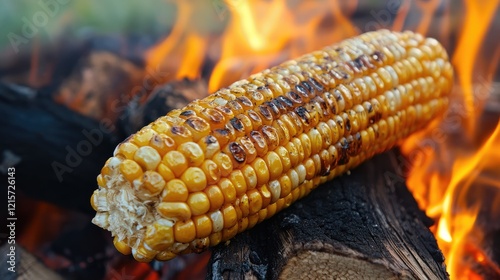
362,225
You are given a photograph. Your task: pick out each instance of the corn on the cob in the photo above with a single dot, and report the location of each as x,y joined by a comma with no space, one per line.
199,175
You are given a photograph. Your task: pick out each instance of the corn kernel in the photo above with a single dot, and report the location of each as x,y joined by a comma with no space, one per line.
122,246
271,210
228,190
217,221
238,181
203,226
142,137
159,236
130,170
230,217
284,157
195,179
162,143
175,191
242,224
224,162
215,196
209,145
262,171
174,210
184,231
165,256
254,201
147,157
211,170
127,149
274,165
165,172
176,161
152,184
265,194
275,189
198,203
286,185
193,153
229,233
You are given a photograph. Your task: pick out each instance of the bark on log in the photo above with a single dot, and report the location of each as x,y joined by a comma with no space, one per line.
362,225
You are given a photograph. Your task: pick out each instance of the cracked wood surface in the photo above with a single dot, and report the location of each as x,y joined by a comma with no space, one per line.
362,225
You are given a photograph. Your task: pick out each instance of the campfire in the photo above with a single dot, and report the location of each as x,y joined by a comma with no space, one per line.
90,94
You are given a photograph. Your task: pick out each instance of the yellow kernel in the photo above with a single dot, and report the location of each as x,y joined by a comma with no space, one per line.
293,153
229,233
310,169
203,226
215,197
174,210
127,149
180,134
286,185
212,171
284,157
142,137
160,126
271,210
199,203
306,144
147,157
122,246
266,195
175,191
260,167
224,162
243,204
184,231
249,148
238,181
254,201
252,220
230,217
242,224
130,170
195,179
159,236
215,238
300,150
250,176
193,153
101,182
176,161
228,190
262,215
275,189
165,256
143,254
165,172
152,182
274,165
198,127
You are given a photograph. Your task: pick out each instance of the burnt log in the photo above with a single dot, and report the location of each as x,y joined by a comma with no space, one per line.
362,225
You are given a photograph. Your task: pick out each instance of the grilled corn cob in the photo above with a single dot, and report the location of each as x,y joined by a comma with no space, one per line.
201,174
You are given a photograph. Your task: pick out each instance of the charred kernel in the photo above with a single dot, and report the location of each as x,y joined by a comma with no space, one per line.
303,114
229,214
271,136
262,171
245,102
280,106
326,134
162,143
215,118
237,124
176,161
249,148
325,162
195,179
235,107
187,113
250,176
285,102
209,145
215,196
175,191
340,125
130,170
259,142
212,171
193,153
184,231
226,111
203,226
274,165
224,162
334,157
199,203
317,85
237,153
299,126
223,136
147,157
305,90
174,210
126,149
228,190
180,134
238,181
294,97
265,114
198,127
255,119
285,157
342,148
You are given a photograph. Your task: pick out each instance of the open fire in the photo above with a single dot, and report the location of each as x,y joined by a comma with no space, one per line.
452,168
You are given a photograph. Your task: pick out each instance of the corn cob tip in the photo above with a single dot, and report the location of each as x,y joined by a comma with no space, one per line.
199,175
